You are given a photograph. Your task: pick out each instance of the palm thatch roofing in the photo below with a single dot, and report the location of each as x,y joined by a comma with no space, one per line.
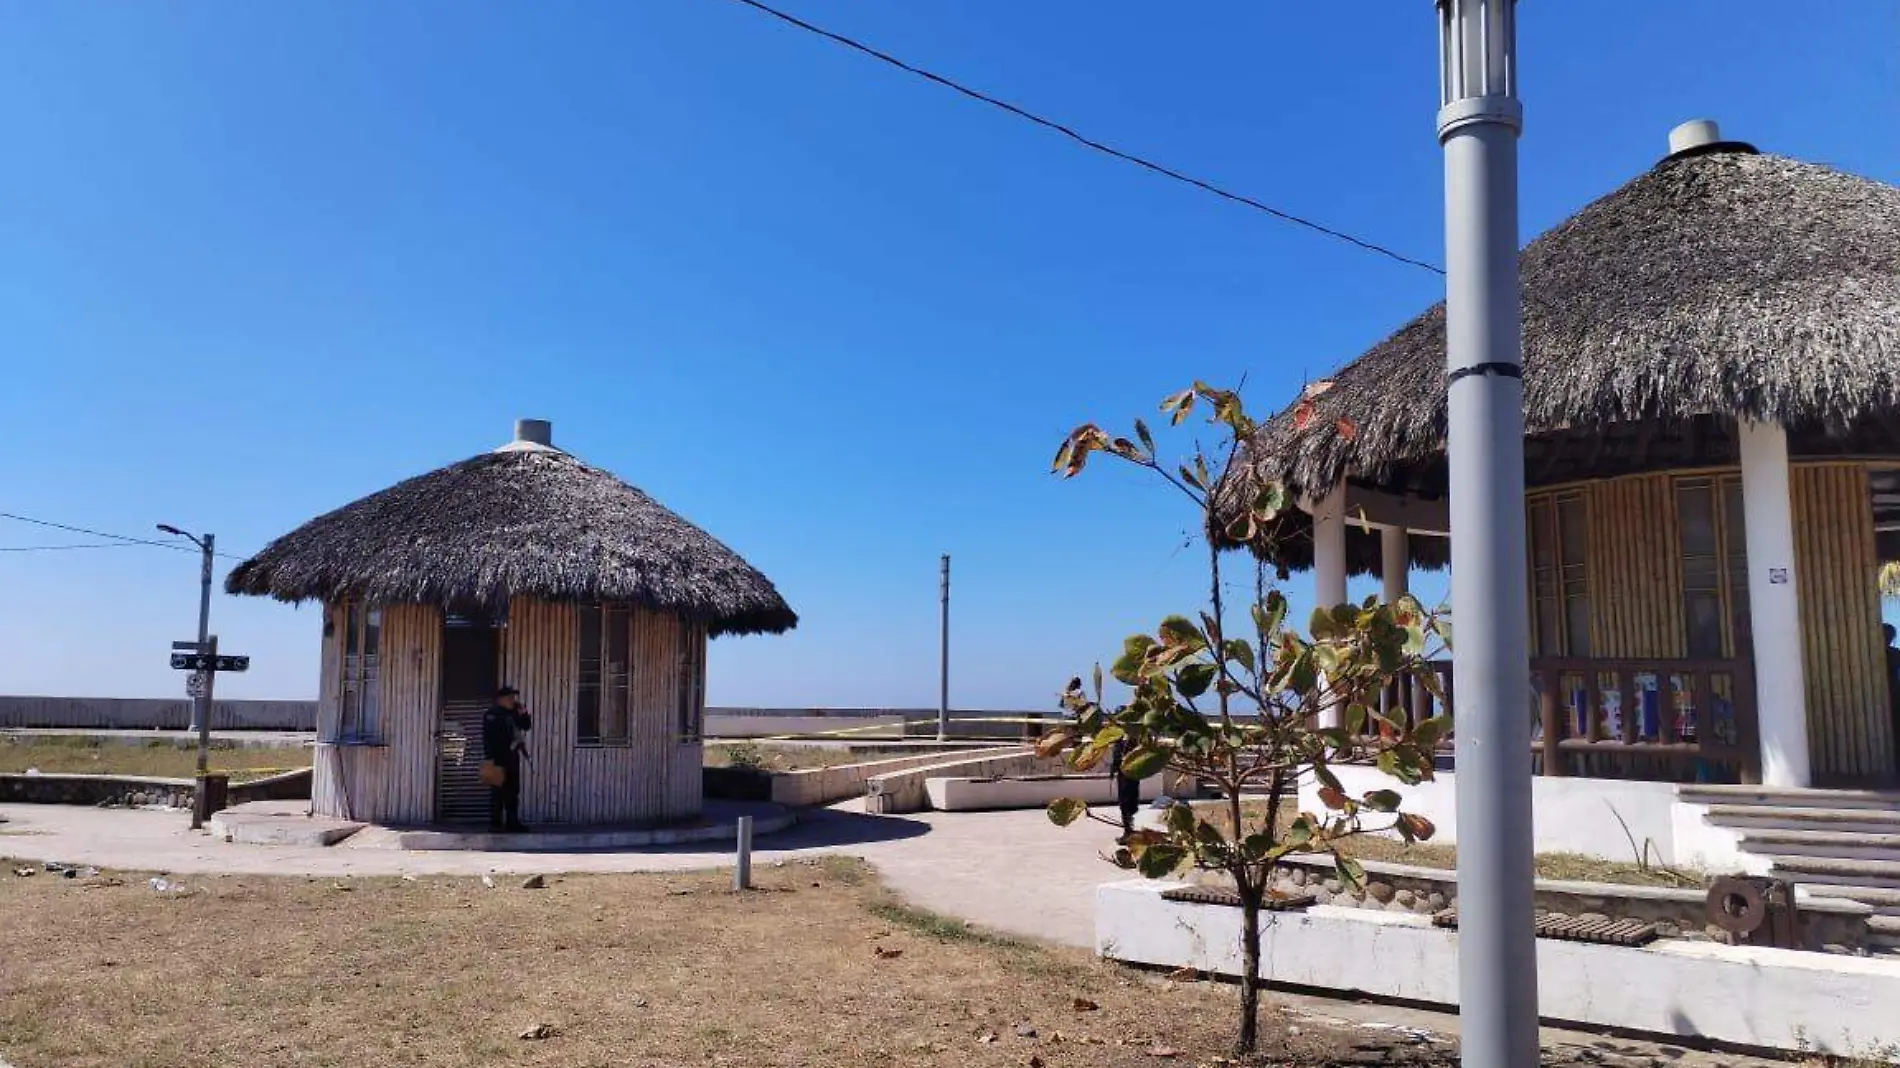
1721,282
524,520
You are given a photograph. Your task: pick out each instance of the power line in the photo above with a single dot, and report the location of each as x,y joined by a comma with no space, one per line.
122,539
63,548
1088,142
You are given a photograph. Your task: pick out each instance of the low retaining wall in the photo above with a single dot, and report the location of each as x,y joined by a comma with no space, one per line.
822,786
133,791
965,723
1765,998
154,713
904,790
948,794
1572,815
1834,925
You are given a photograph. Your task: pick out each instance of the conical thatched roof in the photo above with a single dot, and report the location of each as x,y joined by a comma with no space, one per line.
1721,282
524,520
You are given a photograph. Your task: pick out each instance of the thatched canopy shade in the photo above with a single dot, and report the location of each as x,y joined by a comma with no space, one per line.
1721,282
525,520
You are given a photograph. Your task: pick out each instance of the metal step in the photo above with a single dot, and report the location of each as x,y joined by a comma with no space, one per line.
1776,818
1772,797
1828,844
1878,874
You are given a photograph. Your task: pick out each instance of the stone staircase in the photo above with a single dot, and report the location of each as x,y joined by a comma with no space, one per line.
1832,843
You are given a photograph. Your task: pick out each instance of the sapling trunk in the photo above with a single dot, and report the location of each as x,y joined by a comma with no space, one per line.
1252,893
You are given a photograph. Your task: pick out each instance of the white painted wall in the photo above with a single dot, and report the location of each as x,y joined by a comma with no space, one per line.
1571,815
1774,606
1771,998
963,794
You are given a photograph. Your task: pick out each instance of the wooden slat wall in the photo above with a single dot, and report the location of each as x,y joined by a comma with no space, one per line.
1849,729
1635,568
684,789
327,797
411,681
574,784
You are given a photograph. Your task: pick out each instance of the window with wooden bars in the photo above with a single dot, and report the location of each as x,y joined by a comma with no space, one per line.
692,682
359,718
1714,555
604,700
1560,574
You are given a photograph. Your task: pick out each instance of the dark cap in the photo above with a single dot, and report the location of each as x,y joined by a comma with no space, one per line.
507,691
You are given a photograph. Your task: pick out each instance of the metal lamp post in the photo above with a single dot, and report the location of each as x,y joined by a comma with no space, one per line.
1479,120
943,655
201,700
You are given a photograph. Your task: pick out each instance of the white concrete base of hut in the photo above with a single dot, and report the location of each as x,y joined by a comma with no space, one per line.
289,823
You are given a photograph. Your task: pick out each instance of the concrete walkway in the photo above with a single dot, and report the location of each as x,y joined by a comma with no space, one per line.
1011,871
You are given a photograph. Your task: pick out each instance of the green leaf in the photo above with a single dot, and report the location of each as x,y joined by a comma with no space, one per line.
1241,652
1181,819
1141,431
1383,800
1351,872
1143,762
1180,630
1194,679
1054,742
1270,614
1443,627
1066,810
1160,861
1429,732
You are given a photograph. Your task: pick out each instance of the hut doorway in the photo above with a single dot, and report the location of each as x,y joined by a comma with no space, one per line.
471,672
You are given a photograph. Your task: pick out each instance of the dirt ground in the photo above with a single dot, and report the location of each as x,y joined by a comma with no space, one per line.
818,967
156,758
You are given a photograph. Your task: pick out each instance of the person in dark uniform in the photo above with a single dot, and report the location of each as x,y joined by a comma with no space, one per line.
1893,683
1127,790
502,743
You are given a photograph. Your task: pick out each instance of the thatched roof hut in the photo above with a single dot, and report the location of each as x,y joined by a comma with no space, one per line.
522,569
526,520
1721,284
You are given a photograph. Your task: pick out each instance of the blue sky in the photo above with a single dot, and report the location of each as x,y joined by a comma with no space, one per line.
258,260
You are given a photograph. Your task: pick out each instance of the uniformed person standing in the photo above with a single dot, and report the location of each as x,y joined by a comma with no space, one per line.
1127,790
503,743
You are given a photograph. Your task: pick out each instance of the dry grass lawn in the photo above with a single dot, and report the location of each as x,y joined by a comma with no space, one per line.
816,968
768,757
1570,866
63,755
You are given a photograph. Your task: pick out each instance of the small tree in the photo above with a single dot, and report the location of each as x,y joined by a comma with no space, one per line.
1256,712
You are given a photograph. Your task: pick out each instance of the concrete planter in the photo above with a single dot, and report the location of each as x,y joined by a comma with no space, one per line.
1766,998
962,794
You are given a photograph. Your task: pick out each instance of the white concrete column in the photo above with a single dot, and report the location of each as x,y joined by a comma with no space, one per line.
1774,605
1329,548
1329,568
1395,560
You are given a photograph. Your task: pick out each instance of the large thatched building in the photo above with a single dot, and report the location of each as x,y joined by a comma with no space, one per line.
524,567
1712,408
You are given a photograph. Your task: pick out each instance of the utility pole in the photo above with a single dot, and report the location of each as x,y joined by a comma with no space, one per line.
1479,120
208,646
943,657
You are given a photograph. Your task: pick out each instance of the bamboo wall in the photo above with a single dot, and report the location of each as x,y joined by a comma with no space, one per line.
651,777
392,782
1850,734
1635,568
654,776
1636,599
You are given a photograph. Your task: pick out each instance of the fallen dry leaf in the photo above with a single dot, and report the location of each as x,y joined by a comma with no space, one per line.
987,1038
1085,1005
1162,1051
537,1033
1184,975
886,954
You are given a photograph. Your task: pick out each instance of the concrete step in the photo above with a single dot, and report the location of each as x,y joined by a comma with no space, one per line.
1883,800
1776,818
1878,874
1828,844
1884,902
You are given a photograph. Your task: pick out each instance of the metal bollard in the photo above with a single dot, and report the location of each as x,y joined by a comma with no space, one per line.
742,870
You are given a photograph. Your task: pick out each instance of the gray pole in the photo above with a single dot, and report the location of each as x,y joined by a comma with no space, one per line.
742,855
943,658
200,705
200,802
1478,124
